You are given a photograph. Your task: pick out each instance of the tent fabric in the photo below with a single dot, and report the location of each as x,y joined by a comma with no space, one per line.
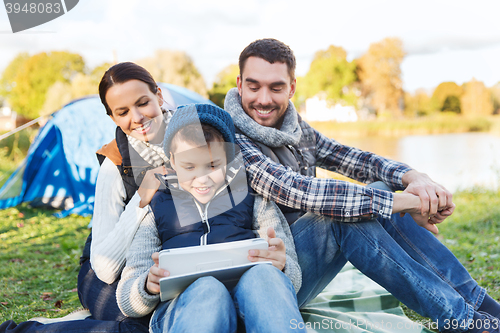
61,167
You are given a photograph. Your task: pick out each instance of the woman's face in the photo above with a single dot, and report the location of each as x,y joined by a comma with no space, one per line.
136,110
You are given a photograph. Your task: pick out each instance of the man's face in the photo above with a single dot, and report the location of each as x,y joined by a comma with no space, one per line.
265,90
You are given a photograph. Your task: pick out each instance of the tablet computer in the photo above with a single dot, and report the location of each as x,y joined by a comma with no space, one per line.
225,261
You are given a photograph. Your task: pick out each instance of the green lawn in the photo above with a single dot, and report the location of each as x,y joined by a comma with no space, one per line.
39,254
472,233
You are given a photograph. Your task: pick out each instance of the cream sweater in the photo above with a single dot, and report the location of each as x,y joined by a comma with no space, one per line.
114,224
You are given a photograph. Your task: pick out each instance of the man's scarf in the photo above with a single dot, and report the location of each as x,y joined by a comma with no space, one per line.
288,134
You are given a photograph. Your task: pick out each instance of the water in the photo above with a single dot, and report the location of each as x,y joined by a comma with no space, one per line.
456,161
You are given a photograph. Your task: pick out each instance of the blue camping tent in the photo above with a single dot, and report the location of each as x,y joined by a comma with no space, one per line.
61,167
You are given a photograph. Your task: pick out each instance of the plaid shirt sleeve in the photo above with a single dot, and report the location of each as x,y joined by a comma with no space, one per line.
344,201
360,165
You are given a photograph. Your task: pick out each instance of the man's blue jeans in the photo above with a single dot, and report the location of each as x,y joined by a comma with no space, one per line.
263,301
404,258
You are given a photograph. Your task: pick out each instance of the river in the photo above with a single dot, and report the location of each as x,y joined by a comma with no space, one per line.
457,161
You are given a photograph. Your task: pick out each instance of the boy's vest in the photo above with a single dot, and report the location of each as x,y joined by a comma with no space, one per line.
132,173
301,158
183,222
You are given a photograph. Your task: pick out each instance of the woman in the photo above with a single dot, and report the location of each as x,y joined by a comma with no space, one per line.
124,188
126,181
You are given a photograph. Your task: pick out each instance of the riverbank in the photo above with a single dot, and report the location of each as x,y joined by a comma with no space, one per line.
439,124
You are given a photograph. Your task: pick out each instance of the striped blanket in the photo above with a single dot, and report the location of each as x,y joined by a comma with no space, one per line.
354,303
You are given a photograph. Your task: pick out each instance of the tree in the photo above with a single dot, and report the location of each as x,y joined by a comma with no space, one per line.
452,104
99,71
418,104
476,100
380,75
331,74
225,80
442,92
175,67
36,75
61,93
96,74
495,96
83,85
9,74
58,95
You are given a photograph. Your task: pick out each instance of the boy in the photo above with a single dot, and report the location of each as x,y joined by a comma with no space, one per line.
206,202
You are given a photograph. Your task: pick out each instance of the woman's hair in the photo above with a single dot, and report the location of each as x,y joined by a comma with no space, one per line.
121,73
192,134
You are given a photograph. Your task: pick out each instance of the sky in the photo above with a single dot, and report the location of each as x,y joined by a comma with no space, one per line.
444,40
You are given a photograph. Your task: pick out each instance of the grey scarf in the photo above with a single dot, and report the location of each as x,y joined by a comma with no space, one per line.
288,134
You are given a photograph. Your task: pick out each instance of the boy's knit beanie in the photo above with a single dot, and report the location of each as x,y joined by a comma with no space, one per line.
205,114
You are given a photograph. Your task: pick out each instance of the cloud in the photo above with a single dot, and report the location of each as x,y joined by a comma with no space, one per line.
214,32
446,43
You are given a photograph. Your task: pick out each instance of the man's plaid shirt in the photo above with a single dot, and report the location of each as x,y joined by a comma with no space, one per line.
345,201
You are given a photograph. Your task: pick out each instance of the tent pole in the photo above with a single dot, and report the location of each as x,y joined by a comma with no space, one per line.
28,124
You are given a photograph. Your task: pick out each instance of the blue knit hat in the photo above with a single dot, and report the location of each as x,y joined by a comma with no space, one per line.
205,114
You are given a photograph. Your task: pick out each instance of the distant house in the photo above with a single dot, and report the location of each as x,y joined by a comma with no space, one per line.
317,108
7,119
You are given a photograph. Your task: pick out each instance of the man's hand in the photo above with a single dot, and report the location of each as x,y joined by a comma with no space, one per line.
276,252
436,201
150,185
411,204
154,276
425,222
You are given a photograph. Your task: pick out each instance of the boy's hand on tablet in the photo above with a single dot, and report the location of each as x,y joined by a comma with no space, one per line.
276,252
154,276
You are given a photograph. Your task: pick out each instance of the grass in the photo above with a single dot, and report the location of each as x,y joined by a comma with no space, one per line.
472,233
40,254
13,150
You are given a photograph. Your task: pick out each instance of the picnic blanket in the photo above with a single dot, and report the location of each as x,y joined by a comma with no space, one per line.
354,303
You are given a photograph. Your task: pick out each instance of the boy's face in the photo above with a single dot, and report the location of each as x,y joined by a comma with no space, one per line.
201,170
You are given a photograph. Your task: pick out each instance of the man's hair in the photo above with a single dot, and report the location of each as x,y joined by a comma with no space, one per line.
191,134
271,50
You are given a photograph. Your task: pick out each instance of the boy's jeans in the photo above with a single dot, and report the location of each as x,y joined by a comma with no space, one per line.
263,301
404,258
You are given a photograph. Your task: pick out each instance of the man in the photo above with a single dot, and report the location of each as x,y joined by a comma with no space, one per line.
334,221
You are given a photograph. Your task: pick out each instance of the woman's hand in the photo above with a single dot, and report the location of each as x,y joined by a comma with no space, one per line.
150,185
276,252
154,276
